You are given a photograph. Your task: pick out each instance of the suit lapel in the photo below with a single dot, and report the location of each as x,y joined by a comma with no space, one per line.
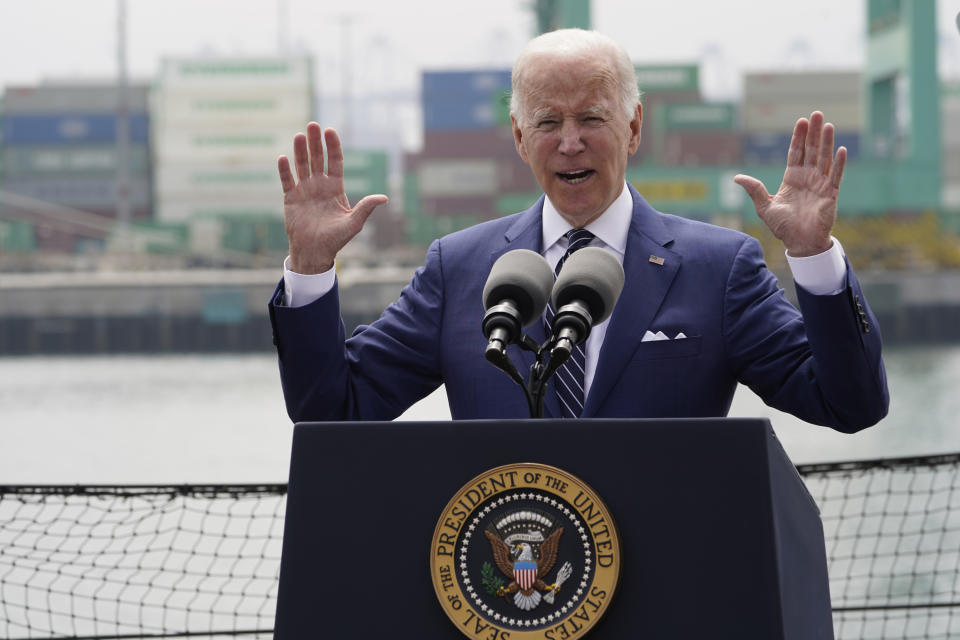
527,233
645,286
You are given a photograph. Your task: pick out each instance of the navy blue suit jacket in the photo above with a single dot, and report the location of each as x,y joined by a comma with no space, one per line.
824,366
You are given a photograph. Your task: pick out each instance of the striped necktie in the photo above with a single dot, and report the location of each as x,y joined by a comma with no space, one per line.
568,379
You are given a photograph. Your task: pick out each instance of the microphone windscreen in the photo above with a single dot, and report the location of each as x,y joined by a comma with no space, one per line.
523,276
592,275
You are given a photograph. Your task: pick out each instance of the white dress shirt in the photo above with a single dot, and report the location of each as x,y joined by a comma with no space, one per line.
822,274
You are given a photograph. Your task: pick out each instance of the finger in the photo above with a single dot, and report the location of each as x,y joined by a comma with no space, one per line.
836,171
812,147
365,207
756,191
301,156
286,177
825,157
315,147
795,154
334,154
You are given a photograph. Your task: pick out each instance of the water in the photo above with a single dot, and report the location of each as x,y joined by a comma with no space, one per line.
221,419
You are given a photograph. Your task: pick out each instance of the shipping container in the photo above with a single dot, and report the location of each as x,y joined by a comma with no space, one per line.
73,159
494,142
209,182
174,145
767,148
837,85
69,128
458,178
693,148
214,74
190,211
476,86
950,196
87,193
773,116
480,207
17,237
243,105
508,203
463,112
710,116
683,78
55,98
159,237
950,116
423,229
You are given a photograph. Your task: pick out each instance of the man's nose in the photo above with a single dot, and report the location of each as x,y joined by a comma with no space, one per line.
571,141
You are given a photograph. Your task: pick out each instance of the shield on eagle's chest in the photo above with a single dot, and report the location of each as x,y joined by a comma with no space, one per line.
525,573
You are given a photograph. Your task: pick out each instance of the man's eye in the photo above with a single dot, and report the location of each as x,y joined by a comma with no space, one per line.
547,123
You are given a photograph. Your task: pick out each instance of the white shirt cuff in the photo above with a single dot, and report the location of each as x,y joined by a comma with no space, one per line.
823,274
300,290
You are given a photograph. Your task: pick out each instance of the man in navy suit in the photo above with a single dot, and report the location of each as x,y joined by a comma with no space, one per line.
699,310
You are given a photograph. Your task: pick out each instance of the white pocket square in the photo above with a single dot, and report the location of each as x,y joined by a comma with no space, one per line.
649,336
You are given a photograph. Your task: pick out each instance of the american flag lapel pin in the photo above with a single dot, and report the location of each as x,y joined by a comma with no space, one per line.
656,260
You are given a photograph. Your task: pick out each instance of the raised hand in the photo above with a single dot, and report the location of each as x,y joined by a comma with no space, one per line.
318,217
803,211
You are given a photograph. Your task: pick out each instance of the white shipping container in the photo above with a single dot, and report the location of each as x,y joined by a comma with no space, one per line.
453,178
770,116
227,145
834,85
248,106
951,165
205,235
210,182
950,197
215,73
181,210
950,120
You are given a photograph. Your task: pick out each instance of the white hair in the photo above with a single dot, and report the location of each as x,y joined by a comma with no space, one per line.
576,43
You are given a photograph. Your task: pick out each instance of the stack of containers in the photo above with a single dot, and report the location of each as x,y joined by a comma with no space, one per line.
662,85
698,134
219,125
469,161
59,147
772,103
949,117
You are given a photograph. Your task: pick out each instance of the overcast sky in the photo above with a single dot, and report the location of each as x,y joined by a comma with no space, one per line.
390,42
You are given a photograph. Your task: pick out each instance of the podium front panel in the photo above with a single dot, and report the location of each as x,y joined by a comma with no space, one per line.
719,536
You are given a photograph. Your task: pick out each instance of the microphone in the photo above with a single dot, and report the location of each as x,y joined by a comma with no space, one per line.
514,295
584,295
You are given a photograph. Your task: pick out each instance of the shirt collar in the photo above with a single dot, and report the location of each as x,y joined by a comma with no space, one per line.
612,226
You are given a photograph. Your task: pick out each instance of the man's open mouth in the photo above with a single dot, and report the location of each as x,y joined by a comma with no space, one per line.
575,177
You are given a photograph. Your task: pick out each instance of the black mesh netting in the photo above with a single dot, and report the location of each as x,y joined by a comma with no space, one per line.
202,561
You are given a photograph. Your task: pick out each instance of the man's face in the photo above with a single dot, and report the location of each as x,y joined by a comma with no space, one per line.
575,136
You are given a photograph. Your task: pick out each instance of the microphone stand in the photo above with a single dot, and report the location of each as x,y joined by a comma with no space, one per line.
548,360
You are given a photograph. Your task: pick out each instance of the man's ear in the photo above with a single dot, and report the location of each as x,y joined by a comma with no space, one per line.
518,139
635,124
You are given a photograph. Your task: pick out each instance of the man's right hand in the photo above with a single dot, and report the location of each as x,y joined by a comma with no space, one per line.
317,215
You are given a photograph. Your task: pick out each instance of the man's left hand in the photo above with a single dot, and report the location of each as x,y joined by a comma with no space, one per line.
803,211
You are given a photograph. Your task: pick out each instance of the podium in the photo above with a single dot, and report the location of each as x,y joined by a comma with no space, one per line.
719,537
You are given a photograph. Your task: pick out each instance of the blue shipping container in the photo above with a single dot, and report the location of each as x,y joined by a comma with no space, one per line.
766,148
463,114
69,128
92,193
466,83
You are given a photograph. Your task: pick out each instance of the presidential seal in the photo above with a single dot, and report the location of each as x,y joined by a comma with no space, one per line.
525,551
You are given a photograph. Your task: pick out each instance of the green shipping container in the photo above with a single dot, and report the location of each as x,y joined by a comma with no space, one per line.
698,116
17,237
